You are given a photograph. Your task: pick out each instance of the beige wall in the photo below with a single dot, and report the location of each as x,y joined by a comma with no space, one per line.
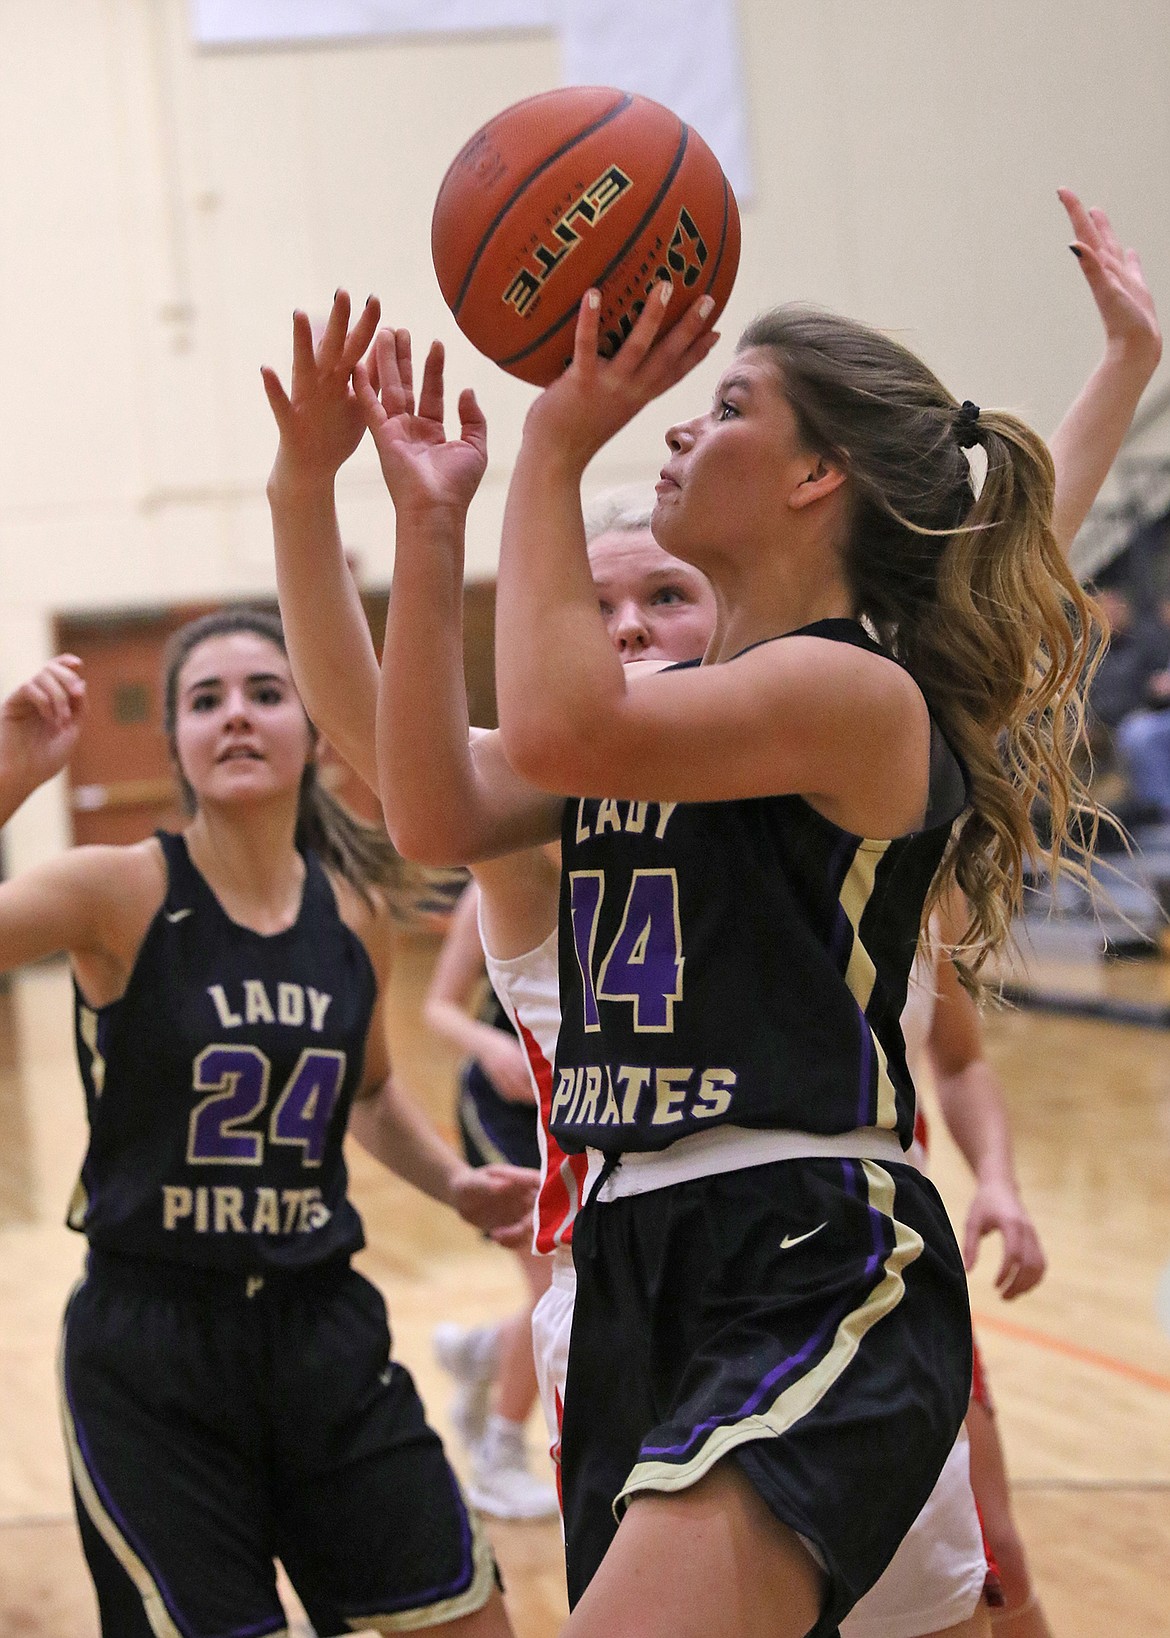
161,212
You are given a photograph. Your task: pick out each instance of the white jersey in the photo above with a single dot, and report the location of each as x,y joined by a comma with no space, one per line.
529,990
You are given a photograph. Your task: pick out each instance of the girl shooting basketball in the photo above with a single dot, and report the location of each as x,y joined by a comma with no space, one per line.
474,805
746,870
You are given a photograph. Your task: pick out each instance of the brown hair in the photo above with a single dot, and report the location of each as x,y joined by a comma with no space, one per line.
360,853
964,584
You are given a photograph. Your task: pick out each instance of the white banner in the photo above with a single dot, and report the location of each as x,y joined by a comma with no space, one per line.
684,53
250,22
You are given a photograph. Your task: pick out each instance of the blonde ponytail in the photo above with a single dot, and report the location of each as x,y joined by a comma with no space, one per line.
964,583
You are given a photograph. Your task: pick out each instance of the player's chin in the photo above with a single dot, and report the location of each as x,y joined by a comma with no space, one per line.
243,782
664,518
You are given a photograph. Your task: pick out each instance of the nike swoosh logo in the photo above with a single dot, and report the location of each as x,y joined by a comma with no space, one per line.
177,915
791,1240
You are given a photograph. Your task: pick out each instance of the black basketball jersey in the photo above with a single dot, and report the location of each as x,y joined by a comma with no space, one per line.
739,962
218,1086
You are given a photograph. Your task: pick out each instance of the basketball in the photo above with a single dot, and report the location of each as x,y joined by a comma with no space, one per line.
584,186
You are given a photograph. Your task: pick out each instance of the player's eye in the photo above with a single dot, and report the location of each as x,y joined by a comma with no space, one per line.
725,409
667,595
206,701
606,608
268,694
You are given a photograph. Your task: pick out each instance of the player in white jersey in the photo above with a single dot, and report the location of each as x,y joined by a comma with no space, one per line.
1091,433
944,1047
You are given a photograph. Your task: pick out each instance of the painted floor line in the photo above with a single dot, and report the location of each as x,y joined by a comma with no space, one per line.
1073,1350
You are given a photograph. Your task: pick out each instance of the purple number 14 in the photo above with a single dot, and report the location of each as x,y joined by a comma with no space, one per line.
644,964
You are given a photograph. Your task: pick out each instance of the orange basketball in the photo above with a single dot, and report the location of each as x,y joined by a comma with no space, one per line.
585,186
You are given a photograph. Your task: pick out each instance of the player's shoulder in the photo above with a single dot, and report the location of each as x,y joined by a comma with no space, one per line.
127,876
836,650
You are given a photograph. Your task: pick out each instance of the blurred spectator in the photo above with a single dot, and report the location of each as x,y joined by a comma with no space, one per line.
1131,696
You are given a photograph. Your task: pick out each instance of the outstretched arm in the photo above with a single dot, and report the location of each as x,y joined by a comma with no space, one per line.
94,902
1085,444
39,725
320,424
447,799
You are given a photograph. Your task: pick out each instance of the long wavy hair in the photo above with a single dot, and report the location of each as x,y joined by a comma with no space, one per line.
360,853
964,583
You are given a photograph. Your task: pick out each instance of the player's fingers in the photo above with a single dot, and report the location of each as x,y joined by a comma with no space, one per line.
390,385
37,694
404,366
430,398
472,421
642,337
70,668
1096,276
277,397
358,340
366,394
71,685
1109,239
1082,223
1007,1281
586,333
332,340
303,366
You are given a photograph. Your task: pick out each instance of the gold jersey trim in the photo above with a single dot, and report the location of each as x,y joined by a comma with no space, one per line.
861,973
469,1114
153,1606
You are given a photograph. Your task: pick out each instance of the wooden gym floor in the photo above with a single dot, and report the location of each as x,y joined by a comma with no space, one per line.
1080,1370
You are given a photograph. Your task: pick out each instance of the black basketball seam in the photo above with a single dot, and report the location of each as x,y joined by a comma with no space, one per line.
723,237
579,136
534,346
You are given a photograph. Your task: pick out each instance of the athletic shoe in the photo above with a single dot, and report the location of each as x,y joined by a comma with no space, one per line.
501,1483
471,1354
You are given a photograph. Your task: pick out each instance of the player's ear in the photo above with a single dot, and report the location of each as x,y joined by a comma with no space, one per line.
821,478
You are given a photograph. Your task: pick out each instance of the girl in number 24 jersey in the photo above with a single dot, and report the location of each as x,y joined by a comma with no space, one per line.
227,1389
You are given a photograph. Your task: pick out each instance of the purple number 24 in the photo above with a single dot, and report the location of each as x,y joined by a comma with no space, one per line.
236,1078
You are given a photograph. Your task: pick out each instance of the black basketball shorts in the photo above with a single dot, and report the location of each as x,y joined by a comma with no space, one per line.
806,1319
214,1424
494,1129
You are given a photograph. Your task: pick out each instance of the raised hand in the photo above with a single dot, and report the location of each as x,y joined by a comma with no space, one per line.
320,421
596,397
39,725
423,468
1114,276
